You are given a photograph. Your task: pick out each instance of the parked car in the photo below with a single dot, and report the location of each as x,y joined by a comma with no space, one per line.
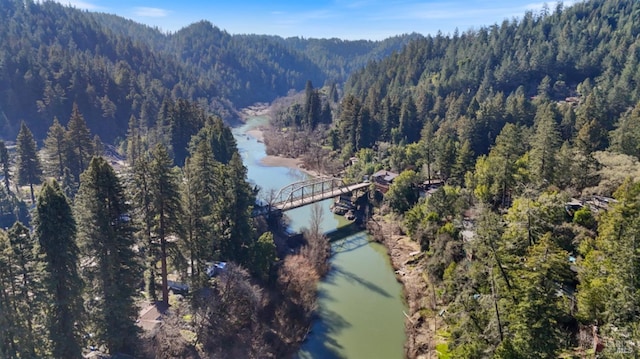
216,268
178,288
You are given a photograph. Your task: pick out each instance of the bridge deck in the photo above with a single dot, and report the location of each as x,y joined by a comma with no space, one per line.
287,205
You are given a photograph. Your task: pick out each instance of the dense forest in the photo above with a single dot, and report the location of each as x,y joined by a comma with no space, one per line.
52,56
104,239
527,250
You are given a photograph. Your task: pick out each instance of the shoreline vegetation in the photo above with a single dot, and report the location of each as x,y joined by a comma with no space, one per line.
401,250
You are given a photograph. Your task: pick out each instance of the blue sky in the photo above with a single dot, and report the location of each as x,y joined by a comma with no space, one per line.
345,19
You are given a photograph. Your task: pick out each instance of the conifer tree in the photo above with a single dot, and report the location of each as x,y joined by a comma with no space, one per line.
235,213
27,280
55,228
55,151
80,145
201,186
5,163
134,141
9,324
545,144
166,206
141,195
105,233
29,168
312,107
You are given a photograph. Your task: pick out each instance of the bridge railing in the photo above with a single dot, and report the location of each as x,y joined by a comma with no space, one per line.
299,191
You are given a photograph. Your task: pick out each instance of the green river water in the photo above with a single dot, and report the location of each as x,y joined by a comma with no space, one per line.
360,304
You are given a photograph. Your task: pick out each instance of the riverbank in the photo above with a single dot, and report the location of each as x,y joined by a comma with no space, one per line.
406,259
279,161
345,322
422,321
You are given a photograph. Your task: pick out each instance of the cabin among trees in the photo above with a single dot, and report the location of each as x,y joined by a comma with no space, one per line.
383,180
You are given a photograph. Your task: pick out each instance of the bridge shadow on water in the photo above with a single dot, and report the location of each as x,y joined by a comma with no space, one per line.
329,324
344,232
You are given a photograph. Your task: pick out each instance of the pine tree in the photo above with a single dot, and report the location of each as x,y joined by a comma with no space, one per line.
134,141
55,228
612,301
105,232
80,146
625,138
202,184
29,168
234,213
9,324
312,107
409,126
166,207
27,288
545,144
141,195
55,151
5,163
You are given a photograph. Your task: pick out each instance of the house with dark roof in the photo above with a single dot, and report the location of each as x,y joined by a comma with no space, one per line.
383,180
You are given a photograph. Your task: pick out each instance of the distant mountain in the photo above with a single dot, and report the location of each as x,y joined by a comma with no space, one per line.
52,56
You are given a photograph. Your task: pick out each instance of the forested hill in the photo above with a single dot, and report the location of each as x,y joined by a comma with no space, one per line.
590,48
52,56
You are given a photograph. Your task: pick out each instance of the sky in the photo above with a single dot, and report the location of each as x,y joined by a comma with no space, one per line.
344,19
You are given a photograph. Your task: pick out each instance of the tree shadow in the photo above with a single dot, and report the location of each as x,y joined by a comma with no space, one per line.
353,278
321,343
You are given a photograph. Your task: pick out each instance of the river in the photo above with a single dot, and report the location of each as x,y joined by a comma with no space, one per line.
360,303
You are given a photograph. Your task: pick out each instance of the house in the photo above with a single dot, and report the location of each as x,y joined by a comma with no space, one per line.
383,180
428,187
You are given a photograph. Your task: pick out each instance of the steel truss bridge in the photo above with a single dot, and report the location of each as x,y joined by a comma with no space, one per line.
310,191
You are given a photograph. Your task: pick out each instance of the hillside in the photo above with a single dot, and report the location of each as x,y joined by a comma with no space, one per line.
590,48
516,150
113,68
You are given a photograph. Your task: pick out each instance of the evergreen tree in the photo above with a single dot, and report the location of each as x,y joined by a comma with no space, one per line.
105,232
80,146
10,325
23,266
29,168
5,163
544,145
141,195
166,206
537,314
429,145
464,161
233,213
27,288
326,117
202,185
625,138
55,151
409,126
611,301
55,228
220,138
347,127
312,107
134,141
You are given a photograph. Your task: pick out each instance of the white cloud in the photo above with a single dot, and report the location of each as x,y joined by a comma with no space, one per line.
143,11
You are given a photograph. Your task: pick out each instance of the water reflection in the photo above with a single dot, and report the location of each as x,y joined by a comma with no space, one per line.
359,302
